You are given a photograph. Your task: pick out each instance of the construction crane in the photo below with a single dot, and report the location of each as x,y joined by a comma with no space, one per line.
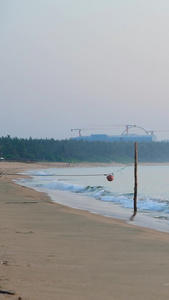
99,127
126,131
94,128
152,131
79,130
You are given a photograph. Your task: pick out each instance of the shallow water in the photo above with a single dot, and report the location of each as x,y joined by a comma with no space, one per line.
113,199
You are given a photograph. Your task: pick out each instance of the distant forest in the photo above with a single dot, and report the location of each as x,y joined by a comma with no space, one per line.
51,150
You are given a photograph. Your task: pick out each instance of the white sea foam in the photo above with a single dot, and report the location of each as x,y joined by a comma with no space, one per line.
98,196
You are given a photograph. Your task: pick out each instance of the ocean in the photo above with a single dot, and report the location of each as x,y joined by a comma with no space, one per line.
87,188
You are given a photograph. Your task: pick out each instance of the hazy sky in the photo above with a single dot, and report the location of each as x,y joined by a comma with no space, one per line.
80,63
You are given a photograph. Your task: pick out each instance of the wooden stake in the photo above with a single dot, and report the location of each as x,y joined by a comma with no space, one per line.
135,181
135,178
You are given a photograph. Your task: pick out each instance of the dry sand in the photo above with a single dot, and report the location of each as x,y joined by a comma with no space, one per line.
48,251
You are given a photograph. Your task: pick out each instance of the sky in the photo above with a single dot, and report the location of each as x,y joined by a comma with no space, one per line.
83,64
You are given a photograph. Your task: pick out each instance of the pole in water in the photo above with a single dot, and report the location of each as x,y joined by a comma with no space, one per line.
135,180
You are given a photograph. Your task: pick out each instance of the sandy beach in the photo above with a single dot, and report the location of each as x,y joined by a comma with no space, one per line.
49,251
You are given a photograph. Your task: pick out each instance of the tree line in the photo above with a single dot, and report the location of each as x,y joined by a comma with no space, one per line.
20,149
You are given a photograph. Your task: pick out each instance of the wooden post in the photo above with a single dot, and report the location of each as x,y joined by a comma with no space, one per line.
135,178
135,181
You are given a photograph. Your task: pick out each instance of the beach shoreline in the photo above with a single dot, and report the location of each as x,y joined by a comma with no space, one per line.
88,203
50,251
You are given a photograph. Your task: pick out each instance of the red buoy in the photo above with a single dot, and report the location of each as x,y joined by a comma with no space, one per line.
110,177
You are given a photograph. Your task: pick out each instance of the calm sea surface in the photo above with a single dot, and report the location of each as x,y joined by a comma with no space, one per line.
88,189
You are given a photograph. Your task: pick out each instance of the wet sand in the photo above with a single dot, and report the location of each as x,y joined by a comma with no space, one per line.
49,251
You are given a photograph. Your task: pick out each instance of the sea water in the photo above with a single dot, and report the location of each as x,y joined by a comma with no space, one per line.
87,188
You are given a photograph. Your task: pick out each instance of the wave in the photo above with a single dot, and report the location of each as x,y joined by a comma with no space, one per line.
48,182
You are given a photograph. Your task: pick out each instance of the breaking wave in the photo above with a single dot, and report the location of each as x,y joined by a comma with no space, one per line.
43,181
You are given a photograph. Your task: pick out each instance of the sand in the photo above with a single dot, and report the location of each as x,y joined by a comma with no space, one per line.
48,251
